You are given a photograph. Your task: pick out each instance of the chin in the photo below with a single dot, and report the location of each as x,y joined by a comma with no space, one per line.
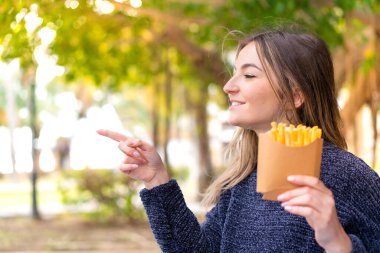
238,123
233,122
258,128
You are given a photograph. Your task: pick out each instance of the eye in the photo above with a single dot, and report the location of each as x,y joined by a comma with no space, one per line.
249,76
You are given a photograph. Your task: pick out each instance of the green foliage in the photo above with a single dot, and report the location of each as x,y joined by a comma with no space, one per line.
113,193
15,42
119,48
102,48
368,63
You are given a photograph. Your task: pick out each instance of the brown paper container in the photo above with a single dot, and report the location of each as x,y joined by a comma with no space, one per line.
276,162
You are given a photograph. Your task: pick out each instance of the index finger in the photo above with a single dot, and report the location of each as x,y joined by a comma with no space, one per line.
112,135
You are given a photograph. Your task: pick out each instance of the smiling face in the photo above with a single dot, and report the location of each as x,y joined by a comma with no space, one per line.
253,102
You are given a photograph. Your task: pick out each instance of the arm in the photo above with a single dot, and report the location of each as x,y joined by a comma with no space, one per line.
174,226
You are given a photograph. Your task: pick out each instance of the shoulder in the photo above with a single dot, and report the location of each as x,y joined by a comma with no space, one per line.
345,164
347,174
225,197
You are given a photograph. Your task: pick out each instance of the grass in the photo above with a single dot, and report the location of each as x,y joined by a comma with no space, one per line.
8,199
68,232
17,190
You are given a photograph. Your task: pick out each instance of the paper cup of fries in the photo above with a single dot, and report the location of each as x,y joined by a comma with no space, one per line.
284,151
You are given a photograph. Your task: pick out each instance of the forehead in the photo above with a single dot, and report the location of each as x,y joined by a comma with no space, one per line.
248,55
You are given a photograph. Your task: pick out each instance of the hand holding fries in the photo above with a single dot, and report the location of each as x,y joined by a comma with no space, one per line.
314,201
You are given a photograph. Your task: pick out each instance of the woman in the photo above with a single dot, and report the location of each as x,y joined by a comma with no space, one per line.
281,76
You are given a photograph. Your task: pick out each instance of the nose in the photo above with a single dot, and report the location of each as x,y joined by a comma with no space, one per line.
230,87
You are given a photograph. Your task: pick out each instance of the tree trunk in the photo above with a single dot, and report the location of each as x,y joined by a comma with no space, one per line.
359,95
34,128
154,114
206,172
168,108
374,91
374,126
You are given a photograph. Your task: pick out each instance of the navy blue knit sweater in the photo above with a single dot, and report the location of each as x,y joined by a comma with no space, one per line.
243,222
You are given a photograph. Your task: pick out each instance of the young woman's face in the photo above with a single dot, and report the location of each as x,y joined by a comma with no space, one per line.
253,103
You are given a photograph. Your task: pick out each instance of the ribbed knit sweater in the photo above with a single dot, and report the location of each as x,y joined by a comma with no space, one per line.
243,222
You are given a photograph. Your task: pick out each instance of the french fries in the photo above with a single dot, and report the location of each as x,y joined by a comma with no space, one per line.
292,136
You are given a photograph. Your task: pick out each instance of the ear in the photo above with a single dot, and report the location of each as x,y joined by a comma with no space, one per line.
298,97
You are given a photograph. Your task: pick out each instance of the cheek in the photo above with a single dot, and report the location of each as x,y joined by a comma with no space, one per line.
259,96
263,100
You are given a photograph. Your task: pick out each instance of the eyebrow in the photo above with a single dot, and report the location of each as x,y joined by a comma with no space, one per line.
247,65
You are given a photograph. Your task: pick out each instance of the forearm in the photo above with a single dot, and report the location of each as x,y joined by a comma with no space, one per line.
174,226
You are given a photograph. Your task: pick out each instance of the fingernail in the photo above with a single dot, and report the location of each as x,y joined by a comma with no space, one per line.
281,197
291,178
287,208
136,154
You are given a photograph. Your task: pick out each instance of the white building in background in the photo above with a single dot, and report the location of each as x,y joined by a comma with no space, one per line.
23,150
5,151
90,150
87,148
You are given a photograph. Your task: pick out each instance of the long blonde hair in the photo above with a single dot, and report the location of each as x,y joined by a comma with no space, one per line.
299,62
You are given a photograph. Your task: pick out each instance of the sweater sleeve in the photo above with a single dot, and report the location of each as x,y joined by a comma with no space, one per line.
365,203
358,246
174,226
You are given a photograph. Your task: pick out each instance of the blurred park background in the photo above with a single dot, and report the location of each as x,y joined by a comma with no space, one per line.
153,70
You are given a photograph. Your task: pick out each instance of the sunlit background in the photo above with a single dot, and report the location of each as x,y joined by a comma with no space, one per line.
153,70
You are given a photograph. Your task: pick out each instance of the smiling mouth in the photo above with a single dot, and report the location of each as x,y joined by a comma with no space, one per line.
234,103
